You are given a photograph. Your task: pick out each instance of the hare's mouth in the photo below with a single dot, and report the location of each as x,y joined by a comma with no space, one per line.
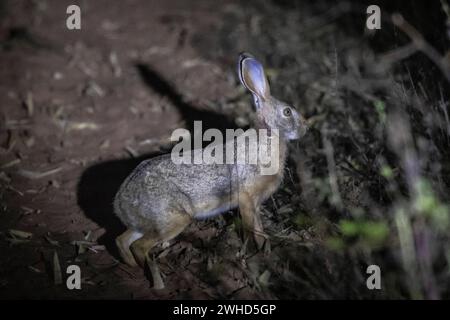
293,135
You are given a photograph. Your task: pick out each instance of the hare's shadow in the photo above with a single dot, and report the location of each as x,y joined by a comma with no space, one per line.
96,190
99,183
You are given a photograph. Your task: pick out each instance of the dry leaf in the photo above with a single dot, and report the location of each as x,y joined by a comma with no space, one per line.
37,175
51,241
35,270
264,278
18,234
29,104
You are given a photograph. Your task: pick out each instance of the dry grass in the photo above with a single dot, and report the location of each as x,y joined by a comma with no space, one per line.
372,174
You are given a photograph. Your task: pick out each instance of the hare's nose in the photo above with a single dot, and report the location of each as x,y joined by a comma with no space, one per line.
305,124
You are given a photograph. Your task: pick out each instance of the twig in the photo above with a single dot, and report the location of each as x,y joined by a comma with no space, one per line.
329,152
10,164
57,275
421,44
398,54
29,104
38,175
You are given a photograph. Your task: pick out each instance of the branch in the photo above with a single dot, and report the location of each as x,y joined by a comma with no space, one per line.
421,44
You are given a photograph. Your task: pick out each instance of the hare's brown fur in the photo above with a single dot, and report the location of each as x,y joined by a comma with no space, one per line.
160,198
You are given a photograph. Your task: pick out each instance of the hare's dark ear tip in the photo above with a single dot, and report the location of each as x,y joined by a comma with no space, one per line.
244,55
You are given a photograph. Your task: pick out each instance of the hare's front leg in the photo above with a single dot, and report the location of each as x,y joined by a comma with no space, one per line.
251,220
124,242
261,238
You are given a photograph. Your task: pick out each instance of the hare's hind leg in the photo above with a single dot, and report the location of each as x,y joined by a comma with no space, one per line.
124,242
142,246
174,226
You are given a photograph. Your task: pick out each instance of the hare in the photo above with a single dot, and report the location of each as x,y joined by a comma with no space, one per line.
159,199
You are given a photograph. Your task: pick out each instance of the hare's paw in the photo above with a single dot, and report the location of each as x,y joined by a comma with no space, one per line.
262,242
267,248
141,247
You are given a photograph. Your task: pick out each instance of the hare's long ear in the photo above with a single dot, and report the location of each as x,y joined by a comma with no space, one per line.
251,74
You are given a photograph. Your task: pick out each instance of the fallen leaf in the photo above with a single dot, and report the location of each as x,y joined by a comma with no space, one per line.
18,234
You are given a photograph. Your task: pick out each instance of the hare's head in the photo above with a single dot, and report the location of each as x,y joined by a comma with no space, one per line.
272,113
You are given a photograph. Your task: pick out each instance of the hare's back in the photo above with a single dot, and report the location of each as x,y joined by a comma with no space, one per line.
158,185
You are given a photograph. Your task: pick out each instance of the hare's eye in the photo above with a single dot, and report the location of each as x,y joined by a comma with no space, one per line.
287,112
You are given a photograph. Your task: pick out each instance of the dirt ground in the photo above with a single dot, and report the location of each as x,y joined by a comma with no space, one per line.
80,109
92,113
